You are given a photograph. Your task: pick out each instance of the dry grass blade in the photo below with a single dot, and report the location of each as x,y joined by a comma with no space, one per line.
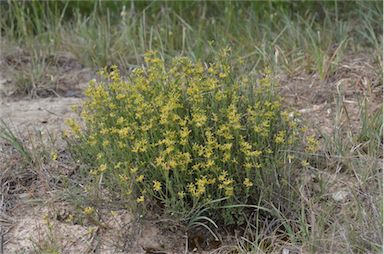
7,135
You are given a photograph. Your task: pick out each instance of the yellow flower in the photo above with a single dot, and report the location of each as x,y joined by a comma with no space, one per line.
233,117
201,183
73,125
69,219
181,194
140,146
105,143
140,199
245,147
212,70
104,131
312,144
112,106
247,183
223,176
229,191
225,132
223,75
88,210
123,132
120,120
65,134
123,177
120,96
92,140
54,156
192,189
74,108
184,133
255,153
156,186
210,164
140,178
280,137
184,159
159,161
46,220
102,168
305,163
248,165
91,230
170,165
228,182
199,119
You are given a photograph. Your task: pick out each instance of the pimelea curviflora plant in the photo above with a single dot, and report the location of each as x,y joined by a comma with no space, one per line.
183,134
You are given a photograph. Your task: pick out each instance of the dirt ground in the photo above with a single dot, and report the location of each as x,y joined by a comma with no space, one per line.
29,218
317,100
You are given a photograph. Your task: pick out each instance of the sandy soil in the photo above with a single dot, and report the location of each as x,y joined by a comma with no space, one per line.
45,113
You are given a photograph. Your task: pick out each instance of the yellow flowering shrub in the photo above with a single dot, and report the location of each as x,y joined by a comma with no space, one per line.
182,134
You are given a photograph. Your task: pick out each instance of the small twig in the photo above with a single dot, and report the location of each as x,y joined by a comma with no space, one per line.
186,243
49,111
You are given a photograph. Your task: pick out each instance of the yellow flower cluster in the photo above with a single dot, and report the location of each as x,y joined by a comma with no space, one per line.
312,144
88,211
73,125
184,131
